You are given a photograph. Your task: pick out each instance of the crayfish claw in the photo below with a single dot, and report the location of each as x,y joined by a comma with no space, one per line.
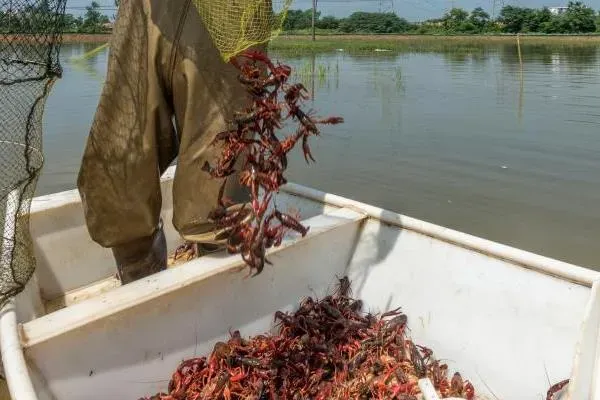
258,271
249,274
306,149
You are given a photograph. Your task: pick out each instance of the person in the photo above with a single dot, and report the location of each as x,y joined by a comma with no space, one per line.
166,95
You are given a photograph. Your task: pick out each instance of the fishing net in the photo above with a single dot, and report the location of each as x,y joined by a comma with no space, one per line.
236,25
30,34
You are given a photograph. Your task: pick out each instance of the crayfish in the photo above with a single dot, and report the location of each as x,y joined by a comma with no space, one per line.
253,229
327,349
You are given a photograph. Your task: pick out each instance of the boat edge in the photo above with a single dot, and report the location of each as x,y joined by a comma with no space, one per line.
546,265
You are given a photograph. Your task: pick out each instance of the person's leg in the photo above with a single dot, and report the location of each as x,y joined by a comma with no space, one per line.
131,143
207,92
141,258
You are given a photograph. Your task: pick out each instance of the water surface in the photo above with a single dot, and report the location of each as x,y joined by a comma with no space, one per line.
459,137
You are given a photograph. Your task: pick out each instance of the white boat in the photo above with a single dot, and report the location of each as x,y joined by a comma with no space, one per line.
511,322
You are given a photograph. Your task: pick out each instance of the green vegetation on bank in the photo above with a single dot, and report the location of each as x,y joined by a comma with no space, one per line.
37,16
576,19
399,43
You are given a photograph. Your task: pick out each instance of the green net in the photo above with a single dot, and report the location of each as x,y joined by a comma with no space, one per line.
236,25
30,38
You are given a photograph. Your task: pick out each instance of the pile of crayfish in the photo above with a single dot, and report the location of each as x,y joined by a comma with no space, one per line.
251,229
326,349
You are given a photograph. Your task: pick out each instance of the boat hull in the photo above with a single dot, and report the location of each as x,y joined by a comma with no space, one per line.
506,319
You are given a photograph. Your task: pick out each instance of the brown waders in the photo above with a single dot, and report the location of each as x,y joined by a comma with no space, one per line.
167,94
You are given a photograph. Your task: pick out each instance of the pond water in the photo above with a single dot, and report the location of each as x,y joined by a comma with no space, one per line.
459,137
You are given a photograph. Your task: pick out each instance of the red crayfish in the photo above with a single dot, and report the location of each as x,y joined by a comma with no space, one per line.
252,230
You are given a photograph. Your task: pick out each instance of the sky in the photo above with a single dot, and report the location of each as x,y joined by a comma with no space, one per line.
413,10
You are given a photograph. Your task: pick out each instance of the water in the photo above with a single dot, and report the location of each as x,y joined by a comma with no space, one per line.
457,137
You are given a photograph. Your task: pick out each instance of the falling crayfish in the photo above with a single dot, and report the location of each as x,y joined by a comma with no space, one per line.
251,231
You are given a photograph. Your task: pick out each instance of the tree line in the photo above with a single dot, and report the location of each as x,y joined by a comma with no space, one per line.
39,17
577,18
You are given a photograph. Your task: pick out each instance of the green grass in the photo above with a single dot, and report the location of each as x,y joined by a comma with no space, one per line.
437,34
322,72
362,44
397,43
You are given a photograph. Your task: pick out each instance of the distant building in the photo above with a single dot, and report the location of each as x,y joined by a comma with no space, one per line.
558,10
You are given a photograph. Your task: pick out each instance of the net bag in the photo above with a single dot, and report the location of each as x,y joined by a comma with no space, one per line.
30,35
236,25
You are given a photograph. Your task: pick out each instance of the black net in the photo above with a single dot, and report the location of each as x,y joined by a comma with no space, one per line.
30,35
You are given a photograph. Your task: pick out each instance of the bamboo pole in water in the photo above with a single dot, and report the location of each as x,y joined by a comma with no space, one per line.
312,90
314,17
519,49
521,87
520,116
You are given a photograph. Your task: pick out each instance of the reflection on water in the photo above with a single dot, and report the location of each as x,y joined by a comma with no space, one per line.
68,116
455,135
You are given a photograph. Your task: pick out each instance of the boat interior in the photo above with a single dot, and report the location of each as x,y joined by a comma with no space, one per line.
480,305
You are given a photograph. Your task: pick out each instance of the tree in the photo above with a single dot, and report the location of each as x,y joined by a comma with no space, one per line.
328,22
93,20
580,18
367,22
72,24
539,20
298,19
479,18
454,18
516,19
35,18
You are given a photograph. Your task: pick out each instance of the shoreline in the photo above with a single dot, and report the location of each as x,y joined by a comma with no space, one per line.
538,38
399,43
75,38
409,37
67,38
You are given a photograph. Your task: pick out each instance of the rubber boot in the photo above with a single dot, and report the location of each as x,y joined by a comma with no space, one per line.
141,258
